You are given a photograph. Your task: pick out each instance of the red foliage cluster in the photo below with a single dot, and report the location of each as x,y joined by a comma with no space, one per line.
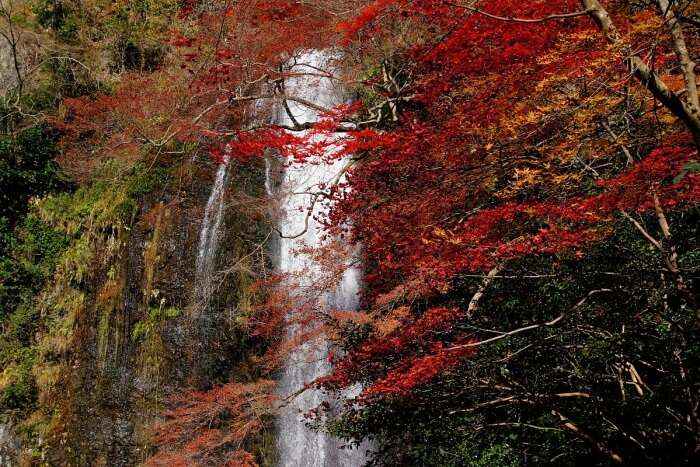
412,372
125,125
414,340
433,199
366,15
187,8
513,230
205,428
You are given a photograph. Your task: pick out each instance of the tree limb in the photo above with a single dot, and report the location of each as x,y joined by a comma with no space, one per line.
640,70
519,20
530,327
681,50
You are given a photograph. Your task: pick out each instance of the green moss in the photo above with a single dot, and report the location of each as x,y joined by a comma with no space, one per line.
146,180
103,336
76,262
41,246
60,321
107,203
21,324
152,351
35,251
77,236
95,206
146,328
17,388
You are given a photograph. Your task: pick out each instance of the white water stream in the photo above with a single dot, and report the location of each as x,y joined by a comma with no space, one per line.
209,236
298,445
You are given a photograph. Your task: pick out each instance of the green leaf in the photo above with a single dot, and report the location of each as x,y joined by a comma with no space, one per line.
691,166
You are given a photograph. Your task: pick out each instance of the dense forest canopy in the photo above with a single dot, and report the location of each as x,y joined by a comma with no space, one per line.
522,182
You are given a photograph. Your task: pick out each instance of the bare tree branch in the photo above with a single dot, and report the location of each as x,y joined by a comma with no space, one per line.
531,327
479,11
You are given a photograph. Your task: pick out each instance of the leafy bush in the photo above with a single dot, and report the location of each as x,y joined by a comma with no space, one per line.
55,15
27,169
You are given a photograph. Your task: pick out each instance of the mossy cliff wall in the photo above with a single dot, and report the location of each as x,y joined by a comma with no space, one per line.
114,328
98,243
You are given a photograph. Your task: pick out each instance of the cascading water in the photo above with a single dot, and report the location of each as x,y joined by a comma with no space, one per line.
299,445
209,235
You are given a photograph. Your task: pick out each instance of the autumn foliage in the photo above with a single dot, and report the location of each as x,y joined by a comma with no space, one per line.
507,131
486,136
553,144
491,158
211,427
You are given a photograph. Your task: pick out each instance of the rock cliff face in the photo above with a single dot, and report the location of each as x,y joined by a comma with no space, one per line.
136,333
117,377
17,53
9,444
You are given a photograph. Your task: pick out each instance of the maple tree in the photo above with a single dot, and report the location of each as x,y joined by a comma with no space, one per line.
211,427
507,131
488,134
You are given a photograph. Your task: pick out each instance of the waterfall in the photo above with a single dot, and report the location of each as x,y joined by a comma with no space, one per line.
299,445
209,235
